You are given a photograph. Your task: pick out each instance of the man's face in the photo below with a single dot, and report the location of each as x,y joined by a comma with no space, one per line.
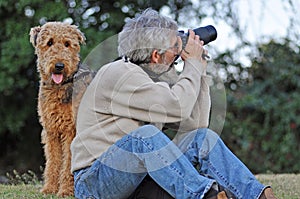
172,52
162,62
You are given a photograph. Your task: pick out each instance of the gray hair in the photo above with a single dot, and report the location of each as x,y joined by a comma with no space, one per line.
145,33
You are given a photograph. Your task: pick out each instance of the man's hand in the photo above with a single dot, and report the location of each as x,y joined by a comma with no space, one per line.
194,48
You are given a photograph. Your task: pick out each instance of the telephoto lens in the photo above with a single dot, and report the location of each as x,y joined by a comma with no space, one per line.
206,34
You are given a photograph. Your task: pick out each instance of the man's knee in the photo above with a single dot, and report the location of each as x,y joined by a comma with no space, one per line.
207,140
146,131
208,133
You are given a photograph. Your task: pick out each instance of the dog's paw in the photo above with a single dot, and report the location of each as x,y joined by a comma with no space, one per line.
49,190
65,192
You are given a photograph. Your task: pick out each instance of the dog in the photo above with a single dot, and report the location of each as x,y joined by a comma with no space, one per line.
57,46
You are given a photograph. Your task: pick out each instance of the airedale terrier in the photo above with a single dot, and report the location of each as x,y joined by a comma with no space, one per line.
57,46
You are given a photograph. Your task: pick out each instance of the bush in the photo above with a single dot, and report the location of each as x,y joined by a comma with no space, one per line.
262,125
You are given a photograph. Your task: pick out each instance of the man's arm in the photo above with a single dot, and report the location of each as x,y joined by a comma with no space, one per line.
199,117
136,96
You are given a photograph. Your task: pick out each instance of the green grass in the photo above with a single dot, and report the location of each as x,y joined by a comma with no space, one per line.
24,192
285,186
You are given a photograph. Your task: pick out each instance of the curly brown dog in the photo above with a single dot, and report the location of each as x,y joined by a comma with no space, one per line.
57,47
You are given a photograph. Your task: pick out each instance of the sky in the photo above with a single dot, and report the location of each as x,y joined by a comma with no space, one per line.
267,17
261,20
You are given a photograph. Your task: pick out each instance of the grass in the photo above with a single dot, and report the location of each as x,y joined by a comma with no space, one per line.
24,192
286,186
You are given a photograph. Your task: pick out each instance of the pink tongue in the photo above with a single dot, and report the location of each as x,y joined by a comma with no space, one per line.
57,78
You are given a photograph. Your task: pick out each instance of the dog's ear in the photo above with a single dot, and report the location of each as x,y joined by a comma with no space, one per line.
78,33
33,34
81,37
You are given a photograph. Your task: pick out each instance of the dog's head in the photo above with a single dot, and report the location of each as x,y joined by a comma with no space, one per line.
57,46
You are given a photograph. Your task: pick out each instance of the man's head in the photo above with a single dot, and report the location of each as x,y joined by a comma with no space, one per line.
147,33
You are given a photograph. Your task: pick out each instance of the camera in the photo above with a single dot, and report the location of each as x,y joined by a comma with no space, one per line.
206,34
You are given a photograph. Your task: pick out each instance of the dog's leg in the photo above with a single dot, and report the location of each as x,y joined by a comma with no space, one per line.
53,153
66,179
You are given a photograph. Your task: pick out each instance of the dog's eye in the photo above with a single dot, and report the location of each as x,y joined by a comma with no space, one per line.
50,42
67,44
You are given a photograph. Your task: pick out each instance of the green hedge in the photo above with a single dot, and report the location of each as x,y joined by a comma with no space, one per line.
263,125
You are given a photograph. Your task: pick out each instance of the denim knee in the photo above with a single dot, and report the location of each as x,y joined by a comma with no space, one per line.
206,140
207,134
145,131
211,134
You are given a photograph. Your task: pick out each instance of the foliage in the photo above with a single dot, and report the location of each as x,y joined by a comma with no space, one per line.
26,178
263,123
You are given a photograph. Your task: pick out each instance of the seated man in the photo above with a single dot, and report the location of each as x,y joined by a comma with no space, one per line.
119,138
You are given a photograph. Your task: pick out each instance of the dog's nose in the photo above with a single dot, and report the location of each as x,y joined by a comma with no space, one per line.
59,66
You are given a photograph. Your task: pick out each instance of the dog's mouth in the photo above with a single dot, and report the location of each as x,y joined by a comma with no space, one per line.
57,77
57,74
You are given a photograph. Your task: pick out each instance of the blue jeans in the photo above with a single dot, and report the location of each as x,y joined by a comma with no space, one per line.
147,150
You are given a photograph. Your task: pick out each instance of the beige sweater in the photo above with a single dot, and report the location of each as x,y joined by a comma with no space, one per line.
122,97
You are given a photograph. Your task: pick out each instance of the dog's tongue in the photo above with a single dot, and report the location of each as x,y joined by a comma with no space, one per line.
57,78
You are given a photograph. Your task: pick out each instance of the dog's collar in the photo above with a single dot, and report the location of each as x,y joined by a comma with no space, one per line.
69,80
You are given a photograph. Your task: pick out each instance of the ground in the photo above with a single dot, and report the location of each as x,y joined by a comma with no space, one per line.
286,186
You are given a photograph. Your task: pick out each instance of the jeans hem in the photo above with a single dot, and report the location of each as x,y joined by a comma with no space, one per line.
262,191
207,188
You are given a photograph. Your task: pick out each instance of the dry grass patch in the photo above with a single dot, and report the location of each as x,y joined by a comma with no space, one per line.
285,186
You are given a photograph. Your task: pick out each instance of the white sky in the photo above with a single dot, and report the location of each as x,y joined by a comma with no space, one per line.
266,17
261,19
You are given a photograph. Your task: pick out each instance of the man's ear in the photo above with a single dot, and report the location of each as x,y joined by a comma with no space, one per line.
155,57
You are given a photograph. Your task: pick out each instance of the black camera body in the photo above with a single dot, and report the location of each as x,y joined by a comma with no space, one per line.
206,34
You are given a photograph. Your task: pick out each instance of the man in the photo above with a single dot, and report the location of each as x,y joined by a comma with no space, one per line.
119,124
